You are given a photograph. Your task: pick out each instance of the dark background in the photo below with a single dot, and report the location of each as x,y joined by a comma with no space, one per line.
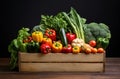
15,14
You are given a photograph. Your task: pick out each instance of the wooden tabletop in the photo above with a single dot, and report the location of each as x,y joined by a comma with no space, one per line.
112,71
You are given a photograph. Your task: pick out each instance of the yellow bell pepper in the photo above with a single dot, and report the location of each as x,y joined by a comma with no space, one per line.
76,49
37,36
57,47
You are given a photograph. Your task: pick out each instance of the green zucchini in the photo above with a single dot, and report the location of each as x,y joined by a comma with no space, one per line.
63,37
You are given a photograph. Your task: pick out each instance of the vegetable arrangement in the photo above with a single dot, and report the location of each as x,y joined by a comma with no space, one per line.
62,33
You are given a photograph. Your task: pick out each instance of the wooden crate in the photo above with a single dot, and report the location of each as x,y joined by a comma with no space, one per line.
60,62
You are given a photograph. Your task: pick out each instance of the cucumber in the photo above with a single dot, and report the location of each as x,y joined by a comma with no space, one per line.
63,37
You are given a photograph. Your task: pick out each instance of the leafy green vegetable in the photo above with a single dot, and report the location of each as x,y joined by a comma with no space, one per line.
97,32
56,22
40,27
17,45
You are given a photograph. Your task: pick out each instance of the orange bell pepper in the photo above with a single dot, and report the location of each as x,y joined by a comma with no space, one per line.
47,40
57,47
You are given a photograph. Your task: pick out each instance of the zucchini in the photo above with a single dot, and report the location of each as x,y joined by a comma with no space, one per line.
63,37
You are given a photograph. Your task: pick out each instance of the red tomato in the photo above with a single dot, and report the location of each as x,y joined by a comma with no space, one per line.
92,43
100,50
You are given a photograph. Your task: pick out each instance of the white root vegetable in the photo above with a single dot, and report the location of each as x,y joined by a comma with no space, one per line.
78,42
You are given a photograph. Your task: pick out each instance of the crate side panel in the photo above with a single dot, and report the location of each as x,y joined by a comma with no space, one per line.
61,67
61,57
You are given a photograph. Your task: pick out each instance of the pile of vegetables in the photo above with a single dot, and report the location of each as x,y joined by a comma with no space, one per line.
62,33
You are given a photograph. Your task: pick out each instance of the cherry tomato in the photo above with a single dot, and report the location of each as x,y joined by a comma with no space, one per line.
93,50
92,43
87,50
100,50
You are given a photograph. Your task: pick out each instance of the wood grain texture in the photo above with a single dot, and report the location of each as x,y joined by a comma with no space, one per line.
112,71
61,57
60,62
62,67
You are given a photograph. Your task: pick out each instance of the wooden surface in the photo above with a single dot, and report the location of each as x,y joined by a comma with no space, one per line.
61,57
61,67
112,71
60,62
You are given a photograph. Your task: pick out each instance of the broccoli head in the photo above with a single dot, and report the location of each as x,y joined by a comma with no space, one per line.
95,31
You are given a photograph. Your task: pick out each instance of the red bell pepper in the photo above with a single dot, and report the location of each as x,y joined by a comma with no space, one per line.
70,37
50,33
67,49
45,48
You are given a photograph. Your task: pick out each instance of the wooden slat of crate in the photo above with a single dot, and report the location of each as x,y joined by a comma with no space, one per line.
61,57
37,62
61,67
